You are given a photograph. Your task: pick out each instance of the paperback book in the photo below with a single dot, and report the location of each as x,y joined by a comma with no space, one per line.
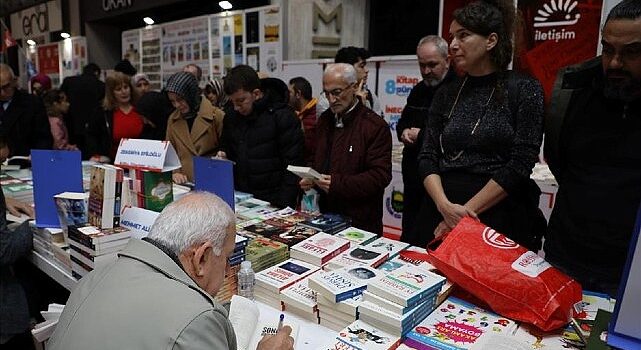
328,223
294,235
363,336
344,283
71,208
300,296
152,190
407,286
283,275
357,256
319,248
357,235
392,246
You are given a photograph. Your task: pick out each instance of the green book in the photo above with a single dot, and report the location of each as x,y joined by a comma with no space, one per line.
153,190
599,334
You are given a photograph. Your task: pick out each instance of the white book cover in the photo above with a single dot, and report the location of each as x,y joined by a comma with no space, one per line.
304,172
407,285
358,255
319,248
384,303
343,283
347,306
393,246
363,336
300,295
283,275
336,316
399,323
357,235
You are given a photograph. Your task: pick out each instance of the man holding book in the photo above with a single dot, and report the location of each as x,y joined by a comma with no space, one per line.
353,153
159,293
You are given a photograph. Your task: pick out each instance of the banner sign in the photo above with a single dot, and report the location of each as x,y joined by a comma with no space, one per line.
147,154
138,221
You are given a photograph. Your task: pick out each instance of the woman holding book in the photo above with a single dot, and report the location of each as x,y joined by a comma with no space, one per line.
194,127
115,120
484,133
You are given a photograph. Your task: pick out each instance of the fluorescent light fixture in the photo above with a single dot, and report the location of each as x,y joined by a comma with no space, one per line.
148,20
225,5
65,35
30,42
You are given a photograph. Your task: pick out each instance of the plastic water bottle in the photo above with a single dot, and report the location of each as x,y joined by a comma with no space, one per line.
246,280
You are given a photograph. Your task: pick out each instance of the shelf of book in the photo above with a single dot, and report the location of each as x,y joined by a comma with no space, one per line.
47,266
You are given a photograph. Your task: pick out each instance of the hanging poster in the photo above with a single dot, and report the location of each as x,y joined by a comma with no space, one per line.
226,32
395,81
185,42
214,46
48,59
151,59
73,56
131,47
238,39
556,34
271,58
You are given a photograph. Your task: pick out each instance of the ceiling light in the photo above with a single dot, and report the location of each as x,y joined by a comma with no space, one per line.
30,42
148,20
65,35
225,5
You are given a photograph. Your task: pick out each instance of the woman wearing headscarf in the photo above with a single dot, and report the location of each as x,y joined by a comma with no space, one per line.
194,127
216,95
484,133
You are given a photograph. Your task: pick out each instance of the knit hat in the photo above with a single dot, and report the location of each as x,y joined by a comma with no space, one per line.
138,77
185,85
126,67
43,79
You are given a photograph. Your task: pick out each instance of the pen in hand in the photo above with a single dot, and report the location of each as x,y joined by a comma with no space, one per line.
280,321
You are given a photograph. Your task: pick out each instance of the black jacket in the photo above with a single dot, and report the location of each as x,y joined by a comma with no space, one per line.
85,93
263,144
99,132
25,125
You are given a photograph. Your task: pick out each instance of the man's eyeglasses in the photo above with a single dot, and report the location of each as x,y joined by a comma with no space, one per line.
336,92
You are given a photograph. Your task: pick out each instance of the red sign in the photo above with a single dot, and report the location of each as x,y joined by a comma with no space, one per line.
48,59
556,34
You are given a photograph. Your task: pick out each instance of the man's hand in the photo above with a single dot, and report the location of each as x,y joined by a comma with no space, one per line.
306,184
221,155
361,93
17,208
410,135
280,341
179,178
325,183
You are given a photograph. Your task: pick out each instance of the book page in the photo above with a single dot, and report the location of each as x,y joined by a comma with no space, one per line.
269,326
243,315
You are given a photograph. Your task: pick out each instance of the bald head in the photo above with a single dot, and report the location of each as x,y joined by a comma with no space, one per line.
7,82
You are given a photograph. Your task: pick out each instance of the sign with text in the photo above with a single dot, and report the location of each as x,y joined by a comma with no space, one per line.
147,154
138,221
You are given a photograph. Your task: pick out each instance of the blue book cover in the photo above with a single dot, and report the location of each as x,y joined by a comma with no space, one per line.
54,172
215,176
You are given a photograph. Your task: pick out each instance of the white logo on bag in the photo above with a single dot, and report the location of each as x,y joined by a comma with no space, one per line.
530,264
498,240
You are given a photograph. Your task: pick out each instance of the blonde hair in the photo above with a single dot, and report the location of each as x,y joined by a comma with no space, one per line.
113,82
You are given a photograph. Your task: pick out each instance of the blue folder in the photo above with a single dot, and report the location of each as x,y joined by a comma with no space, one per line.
54,172
215,176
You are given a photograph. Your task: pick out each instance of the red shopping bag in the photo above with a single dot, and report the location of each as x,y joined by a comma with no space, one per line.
514,282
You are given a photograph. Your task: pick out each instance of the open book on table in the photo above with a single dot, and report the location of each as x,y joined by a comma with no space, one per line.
250,327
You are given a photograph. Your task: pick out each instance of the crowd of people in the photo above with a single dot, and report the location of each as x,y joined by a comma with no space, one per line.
472,131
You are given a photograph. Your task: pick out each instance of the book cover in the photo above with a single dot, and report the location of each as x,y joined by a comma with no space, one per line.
300,295
294,235
391,322
357,235
457,324
71,208
363,336
102,197
153,190
347,306
390,306
328,223
91,235
407,285
358,255
343,283
319,248
283,275
304,172
264,229
393,247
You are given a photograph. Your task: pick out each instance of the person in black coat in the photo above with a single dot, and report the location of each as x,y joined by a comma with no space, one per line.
85,93
263,136
23,119
155,107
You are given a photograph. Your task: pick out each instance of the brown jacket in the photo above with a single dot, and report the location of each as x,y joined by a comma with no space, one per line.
203,139
358,156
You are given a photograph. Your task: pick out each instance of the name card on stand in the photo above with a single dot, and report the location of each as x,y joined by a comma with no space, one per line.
54,172
150,155
138,221
215,176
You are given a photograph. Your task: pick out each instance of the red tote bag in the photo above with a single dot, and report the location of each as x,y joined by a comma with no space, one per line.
513,281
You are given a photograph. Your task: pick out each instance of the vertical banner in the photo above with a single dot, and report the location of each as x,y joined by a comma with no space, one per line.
215,46
555,34
252,39
395,81
73,56
226,35
131,47
393,204
271,41
238,39
151,57
48,60
185,42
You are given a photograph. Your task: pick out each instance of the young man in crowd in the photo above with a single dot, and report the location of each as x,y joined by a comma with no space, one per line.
300,98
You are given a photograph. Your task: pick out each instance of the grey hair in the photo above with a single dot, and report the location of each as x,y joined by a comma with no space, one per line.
8,69
344,70
196,218
440,43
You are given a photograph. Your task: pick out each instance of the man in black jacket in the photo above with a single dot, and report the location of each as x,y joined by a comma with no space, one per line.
23,120
262,136
85,93
434,63
593,147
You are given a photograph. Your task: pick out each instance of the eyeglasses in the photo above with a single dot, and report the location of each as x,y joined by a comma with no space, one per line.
5,86
336,92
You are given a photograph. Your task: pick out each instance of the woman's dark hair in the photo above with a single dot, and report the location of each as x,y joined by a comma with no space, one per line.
491,16
50,97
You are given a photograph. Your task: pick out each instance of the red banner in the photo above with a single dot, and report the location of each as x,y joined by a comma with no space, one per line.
48,59
555,34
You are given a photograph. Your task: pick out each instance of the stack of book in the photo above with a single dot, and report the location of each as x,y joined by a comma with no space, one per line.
16,188
270,282
92,247
230,283
393,247
360,335
328,223
397,301
319,248
151,190
105,196
358,256
300,300
358,236
264,252
337,316
45,238
248,204
240,196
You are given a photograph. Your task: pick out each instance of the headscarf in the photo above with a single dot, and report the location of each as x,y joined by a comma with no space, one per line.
216,85
138,77
185,85
43,79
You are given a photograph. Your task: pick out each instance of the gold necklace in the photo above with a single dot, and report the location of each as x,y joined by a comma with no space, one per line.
449,118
